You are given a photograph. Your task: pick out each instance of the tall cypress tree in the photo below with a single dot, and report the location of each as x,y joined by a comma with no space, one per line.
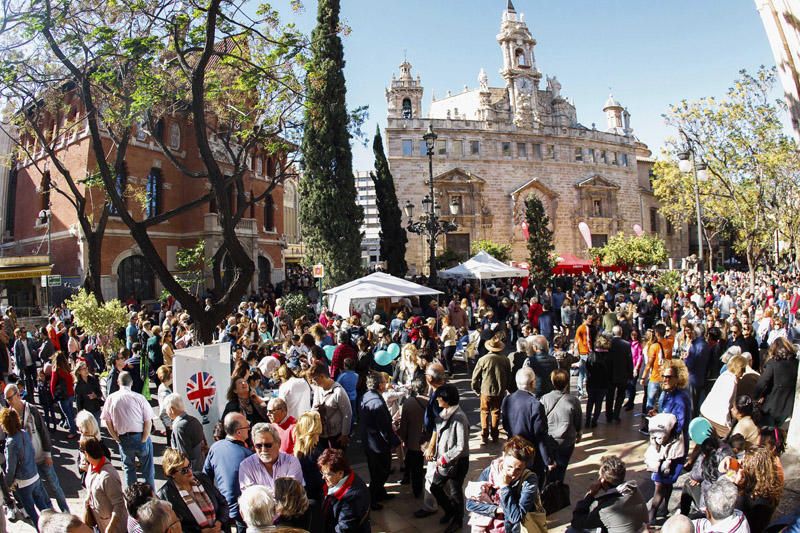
540,241
393,235
330,217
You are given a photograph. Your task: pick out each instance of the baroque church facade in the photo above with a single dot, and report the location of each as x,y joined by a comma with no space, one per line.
497,145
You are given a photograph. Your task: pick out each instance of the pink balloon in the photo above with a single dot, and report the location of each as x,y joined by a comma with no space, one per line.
637,229
586,233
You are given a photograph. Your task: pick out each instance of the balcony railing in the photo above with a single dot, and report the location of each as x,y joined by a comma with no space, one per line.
246,226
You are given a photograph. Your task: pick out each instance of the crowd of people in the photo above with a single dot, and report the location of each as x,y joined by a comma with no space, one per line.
717,368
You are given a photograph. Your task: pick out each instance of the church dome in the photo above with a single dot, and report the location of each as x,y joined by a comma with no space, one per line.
611,102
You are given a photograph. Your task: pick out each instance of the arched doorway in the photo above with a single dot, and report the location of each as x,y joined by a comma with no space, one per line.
264,272
135,277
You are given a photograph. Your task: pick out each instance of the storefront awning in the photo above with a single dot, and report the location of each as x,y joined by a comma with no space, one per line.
25,272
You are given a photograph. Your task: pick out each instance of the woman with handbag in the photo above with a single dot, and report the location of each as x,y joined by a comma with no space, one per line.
105,502
506,496
452,458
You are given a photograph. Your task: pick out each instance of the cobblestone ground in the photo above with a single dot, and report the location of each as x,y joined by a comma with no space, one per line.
397,516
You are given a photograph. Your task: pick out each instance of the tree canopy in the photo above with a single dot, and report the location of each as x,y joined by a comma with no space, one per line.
540,241
500,251
393,235
631,251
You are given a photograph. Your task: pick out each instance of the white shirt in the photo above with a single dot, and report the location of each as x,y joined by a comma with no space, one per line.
127,411
296,392
736,523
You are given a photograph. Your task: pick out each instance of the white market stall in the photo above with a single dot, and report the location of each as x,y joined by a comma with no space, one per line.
484,266
370,288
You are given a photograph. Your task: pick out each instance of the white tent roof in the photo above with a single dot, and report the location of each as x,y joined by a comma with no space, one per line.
377,285
484,266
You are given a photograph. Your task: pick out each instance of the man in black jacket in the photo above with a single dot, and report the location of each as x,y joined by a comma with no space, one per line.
379,438
620,371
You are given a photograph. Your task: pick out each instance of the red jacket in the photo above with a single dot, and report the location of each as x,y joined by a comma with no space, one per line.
61,374
342,352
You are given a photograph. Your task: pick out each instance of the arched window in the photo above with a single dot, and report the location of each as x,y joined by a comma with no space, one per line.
269,213
46,186
121,185
135,278
519,54
175,136
153,186
264,272
407,112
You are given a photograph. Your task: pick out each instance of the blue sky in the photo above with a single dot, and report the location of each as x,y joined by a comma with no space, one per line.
651,53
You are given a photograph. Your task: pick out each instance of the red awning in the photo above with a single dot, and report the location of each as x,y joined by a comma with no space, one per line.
571,264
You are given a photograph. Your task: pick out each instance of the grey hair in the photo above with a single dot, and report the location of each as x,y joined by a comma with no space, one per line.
525,376
154,515
522,345
174,401
53,522
731,352
374,379
257,506
678,523
87,424
230,424
748,357
540,342
616,331
699,331
265,427
720,498
277,403
125,379
12,388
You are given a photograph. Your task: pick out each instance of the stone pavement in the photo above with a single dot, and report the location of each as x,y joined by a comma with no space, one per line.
397,516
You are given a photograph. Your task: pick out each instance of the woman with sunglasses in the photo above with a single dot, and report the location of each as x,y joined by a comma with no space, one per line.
198,504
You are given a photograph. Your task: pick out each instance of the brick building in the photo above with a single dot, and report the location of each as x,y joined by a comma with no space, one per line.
497,145
152,185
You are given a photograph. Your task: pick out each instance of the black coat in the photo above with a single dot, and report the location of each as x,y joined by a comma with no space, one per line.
347,510
170,493
376,424
776,385
82,391
620,362
542,365
597,370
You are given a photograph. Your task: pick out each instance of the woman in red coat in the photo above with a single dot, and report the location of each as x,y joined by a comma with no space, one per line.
62,387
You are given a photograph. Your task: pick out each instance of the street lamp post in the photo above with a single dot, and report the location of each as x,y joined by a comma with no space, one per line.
687,161
430,224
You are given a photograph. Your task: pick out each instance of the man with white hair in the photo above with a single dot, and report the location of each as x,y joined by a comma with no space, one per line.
257,506
678,523
187,432
157,516
721,514
53,522
268,463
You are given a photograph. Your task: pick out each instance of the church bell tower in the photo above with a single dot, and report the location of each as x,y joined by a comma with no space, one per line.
519,67
404,97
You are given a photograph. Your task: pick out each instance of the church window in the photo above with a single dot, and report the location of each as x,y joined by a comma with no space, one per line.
550,151
441,147
597,207
506,148
175,136
458,148
579,155
522,150
520,57
474,147
537,151
153,190
408,147
654,219
407,113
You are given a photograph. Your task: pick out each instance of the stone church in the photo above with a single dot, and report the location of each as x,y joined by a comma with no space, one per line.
497,145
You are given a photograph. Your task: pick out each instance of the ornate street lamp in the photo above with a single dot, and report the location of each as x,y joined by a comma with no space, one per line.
686,158
430,224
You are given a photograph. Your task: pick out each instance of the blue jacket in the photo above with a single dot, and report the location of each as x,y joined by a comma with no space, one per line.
542,365
347,509
524,415
19,353
697,362
222,466
516,500
546,325
677,402
20,460
376,424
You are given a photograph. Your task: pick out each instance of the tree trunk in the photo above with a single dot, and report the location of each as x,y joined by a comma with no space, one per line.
751,267
92,280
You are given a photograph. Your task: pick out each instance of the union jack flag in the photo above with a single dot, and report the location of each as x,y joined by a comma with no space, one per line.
201,388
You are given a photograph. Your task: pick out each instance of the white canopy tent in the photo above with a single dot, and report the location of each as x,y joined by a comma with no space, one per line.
372,287
483,266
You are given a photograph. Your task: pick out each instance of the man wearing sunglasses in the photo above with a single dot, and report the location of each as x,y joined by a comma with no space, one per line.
268,463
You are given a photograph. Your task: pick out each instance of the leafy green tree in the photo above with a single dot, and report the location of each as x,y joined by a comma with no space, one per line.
192,265
330,217
393,234
231,74
751,161
669,281
631,251
296,305
95,318
540,241
501,252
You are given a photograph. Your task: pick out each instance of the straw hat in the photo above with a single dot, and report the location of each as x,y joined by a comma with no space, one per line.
495,345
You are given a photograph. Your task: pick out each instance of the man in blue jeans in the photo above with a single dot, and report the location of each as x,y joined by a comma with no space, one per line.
130,419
